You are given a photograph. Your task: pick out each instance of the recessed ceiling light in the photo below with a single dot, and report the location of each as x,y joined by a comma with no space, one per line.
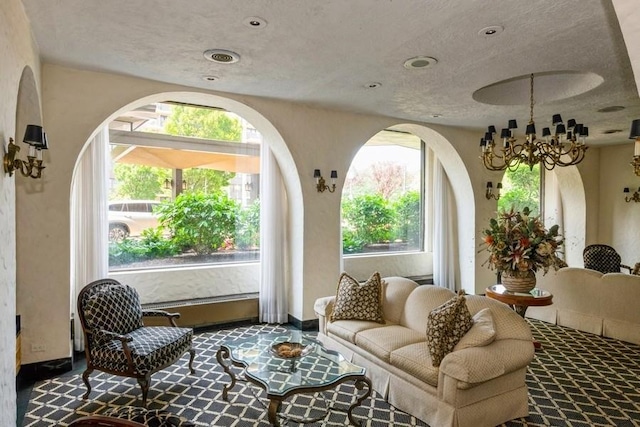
611,109
493,30
420,62
209,78
221,56
612,131
372,85
254,22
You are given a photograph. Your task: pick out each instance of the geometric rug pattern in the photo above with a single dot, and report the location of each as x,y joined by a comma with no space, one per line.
577,379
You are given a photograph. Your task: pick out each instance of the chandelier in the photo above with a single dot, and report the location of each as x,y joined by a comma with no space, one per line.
565,147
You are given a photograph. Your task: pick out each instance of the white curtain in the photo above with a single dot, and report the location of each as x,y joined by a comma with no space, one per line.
443,233
273,296
89,222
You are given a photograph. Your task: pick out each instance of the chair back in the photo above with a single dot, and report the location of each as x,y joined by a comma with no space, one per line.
602,258
109,305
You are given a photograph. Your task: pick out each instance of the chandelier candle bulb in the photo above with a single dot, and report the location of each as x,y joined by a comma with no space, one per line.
637,148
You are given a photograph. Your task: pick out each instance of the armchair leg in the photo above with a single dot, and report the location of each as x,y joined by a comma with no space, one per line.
192,352
144,385
85,378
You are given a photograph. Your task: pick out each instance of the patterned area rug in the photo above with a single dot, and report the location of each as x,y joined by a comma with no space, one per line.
578,379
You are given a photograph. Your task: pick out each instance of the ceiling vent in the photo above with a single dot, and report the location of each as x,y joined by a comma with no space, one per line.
420,62
221,56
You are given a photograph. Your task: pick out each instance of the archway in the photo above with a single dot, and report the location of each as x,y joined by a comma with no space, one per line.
270,134
463,194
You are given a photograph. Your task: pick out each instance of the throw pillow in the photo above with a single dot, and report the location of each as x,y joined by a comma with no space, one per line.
355,301
481,333
446,325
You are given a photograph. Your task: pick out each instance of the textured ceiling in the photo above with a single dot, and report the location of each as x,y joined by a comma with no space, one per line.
328,52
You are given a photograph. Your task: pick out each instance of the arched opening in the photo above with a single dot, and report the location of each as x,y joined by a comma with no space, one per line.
162,286
462,238
27,112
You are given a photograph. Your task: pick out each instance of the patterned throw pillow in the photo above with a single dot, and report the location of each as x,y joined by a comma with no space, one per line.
355,301
446,325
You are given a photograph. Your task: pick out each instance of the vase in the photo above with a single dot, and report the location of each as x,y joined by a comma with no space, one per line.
519,283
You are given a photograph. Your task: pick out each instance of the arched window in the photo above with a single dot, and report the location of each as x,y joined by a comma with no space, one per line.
520,189
382,201
184,188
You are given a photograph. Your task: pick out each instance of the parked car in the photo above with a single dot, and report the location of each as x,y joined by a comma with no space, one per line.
127,218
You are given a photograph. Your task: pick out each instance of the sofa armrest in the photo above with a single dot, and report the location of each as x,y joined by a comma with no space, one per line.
323,308
479,364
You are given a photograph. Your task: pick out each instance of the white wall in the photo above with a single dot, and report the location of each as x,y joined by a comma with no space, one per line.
619,221
304,138
17,51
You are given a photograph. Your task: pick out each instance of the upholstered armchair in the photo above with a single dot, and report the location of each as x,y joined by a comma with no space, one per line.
116,340
603,258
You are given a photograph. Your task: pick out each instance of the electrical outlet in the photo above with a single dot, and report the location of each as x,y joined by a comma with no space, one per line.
38,348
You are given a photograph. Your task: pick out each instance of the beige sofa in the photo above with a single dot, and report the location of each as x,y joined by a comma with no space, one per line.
476,386
587,300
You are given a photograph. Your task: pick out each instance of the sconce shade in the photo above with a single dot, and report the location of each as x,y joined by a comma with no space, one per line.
316,173
34,136
499,186
513,124
626,190
45,142
489,184
334,174
635,129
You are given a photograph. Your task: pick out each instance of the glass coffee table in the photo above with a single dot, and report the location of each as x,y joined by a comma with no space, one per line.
317,370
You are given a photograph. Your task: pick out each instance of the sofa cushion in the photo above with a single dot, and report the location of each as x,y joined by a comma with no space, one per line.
445,327
380,342
415,359
481,333
347,329
355,301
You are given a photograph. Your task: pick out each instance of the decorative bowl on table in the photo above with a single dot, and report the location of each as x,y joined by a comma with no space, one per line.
290,350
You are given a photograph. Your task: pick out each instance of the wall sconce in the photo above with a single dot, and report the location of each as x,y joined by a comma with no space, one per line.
635,134
168,184
635,197
489,194
248,186
32,167
320,183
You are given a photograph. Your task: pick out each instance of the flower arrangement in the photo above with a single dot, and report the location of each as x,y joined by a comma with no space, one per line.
520,244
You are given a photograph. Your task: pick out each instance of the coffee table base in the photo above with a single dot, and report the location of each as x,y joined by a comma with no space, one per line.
275,401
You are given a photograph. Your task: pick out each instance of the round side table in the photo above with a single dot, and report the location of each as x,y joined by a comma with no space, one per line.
520,301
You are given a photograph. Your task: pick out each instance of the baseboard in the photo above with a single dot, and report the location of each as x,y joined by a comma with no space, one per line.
312,325
42,370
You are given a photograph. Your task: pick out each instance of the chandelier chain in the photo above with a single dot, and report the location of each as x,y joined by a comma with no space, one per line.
531,97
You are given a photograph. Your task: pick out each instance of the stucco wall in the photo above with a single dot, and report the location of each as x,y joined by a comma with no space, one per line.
304,138
17,51
619,221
